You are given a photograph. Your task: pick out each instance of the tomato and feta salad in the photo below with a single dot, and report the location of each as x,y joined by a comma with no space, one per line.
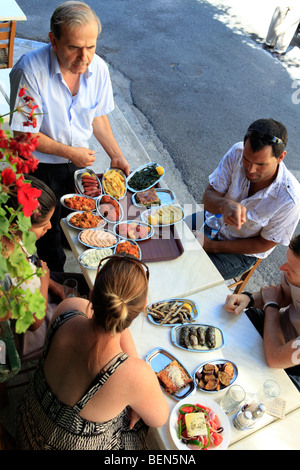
199,427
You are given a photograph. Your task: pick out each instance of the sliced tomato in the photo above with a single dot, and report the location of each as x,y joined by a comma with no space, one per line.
216,438
187,409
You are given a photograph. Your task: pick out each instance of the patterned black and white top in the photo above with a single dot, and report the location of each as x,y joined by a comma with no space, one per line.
43,422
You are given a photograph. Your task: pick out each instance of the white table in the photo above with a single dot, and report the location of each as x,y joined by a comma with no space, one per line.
243,346
190,273
10,11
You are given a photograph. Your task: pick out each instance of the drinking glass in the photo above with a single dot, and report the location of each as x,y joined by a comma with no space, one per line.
70,288
233,397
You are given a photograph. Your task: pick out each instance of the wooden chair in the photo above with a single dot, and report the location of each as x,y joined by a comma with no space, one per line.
240,284
7,39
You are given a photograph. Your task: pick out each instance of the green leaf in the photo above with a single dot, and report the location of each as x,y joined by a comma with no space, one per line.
4,226
29,240
3,267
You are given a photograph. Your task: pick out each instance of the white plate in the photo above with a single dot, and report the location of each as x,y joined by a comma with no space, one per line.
66,196
101,252
121,212
98,247
150,233
198,398
68,219
145,215
141,168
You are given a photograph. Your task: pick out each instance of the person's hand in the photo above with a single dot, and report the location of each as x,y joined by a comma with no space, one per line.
272,294
207,244
122,163
236,303
134,418
82,157
57,289
234,214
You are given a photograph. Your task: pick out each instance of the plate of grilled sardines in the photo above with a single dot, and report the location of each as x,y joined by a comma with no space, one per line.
197,337
172,312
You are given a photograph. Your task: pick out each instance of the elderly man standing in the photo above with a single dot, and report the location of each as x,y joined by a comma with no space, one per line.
258,197
72,88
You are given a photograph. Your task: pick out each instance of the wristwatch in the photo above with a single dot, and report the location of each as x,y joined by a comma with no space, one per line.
271,304
251,301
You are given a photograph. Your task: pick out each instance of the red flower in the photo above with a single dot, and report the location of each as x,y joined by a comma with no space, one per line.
22,92
8,177
27,197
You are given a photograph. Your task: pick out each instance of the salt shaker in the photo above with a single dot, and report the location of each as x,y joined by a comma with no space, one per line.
259,412
243,420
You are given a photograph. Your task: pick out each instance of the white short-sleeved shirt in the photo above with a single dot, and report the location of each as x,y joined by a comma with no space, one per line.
66,118
272,212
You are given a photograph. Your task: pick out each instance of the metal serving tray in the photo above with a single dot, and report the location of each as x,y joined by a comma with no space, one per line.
98,247
166,196
150,234
69,196
132,243
176,332
101,224
121,212
78,182
125,181
145,215
194,311
215,361
159,359
146,165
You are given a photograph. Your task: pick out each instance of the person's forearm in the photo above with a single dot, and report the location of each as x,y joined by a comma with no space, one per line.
103,133
239,245
213,201
278,353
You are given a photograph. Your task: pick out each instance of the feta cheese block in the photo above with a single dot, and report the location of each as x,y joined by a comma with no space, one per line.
195,424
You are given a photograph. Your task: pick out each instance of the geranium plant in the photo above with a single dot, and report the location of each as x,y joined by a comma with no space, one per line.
16,159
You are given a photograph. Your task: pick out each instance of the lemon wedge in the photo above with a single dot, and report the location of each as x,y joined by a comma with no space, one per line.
160,170
187,306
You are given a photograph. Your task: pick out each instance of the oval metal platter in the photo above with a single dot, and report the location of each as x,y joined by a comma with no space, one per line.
158,359
141,168
98,247
125,183
100,254
69,196
101,224
78,181
99,203
151,212
132,242
166,196
193,305
215,362
150,230
177,332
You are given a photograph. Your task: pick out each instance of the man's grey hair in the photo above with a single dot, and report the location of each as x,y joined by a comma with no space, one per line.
72,14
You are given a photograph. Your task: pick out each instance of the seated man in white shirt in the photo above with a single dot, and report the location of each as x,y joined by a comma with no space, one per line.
275,312
72,88
258,197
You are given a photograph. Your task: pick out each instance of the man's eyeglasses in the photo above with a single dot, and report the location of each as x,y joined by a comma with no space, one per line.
267,139
125,257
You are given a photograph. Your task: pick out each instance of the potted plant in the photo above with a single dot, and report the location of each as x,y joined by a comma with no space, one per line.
17,304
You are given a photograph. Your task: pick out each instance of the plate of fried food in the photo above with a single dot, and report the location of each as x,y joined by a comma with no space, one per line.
172,312
109,208
86,219
87,182
128,247
114,183
173,377
216,375
163,216
98,238
78,202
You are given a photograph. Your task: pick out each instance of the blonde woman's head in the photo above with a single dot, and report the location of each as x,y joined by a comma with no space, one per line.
120,293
